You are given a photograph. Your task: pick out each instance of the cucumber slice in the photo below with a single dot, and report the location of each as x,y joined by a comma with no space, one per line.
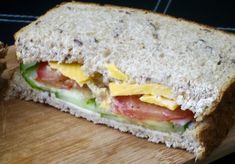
163,126
154,125
24,67
76,98
114,117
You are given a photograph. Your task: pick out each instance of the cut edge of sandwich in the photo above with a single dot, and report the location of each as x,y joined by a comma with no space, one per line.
200,140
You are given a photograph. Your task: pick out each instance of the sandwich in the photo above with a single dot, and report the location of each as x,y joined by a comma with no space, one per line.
157,77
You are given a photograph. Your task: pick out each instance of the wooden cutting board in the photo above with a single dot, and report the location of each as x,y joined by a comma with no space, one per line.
37,133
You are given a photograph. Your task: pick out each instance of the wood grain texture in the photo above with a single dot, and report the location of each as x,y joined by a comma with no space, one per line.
37,133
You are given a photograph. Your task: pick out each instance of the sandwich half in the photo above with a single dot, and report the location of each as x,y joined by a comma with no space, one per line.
154,76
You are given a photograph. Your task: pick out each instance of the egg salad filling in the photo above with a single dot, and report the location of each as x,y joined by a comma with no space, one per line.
149,105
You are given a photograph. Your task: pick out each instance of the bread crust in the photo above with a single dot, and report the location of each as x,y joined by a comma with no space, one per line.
214,128
204,26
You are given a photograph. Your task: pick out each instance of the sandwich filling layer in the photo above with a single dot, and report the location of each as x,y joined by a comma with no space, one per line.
149,105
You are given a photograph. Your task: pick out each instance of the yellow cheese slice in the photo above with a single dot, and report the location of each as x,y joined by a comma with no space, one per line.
140,89
72,71
115,73
159,100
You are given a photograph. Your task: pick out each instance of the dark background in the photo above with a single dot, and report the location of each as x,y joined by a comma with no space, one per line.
217,13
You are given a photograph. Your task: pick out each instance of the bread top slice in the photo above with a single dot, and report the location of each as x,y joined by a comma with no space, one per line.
196,61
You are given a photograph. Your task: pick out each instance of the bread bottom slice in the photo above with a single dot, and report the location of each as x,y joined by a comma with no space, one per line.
195,139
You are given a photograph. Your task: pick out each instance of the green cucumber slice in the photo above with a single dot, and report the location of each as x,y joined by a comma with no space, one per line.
163,126
114,117
24,67
154,125
76,98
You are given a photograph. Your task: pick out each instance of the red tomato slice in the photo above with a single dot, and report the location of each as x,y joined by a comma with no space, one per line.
133,108
46,73
53,77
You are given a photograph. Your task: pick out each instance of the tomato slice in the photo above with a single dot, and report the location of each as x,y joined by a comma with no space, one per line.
47,75
133,108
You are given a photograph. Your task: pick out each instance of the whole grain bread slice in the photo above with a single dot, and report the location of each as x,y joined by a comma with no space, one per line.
196,61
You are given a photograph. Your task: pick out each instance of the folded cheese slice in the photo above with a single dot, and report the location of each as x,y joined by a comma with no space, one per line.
72,71
125,89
